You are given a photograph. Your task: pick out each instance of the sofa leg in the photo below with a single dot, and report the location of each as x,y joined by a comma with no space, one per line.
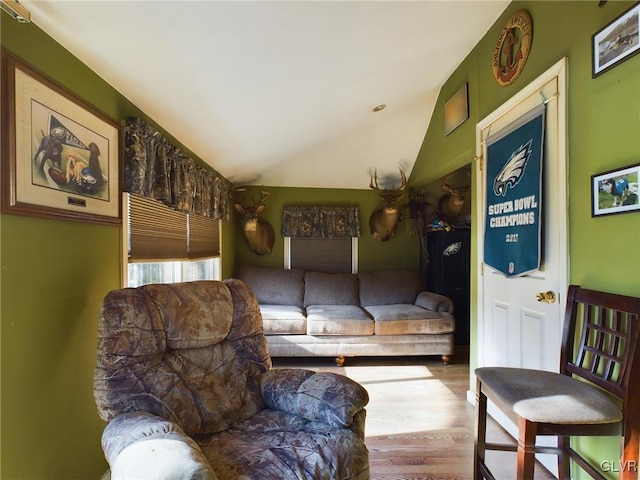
340,361
446,359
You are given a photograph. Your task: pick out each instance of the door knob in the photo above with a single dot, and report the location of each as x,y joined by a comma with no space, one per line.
546,297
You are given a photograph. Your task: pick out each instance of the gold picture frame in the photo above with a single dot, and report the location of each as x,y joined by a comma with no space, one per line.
60,156
456,110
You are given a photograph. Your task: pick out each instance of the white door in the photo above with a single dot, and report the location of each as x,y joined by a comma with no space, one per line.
515,329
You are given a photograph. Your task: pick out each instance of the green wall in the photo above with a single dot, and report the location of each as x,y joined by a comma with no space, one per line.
604,121
402,251
49,302
54,276
604,134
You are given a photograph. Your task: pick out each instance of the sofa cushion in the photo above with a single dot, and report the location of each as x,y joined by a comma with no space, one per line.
389,287
283,319
409,319
276,286
338,320
330,289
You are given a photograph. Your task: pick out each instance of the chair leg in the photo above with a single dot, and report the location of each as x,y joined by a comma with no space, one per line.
526,449
480,432
564,461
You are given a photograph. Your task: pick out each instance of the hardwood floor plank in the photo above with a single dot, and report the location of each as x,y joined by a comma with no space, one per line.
419,423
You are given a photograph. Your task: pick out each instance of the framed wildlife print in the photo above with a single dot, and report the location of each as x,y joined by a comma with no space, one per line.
617,41
615,191
60,156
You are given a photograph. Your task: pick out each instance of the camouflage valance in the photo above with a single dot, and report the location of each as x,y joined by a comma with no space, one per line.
153,168
320,222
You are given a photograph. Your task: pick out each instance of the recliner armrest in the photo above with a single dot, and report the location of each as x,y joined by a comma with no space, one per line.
139,445
434,302
321,396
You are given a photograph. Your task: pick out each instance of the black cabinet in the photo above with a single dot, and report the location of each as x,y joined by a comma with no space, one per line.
448,273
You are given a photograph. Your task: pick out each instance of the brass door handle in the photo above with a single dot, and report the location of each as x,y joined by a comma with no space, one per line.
546,297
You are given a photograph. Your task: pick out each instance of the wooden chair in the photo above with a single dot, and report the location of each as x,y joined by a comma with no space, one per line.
596,393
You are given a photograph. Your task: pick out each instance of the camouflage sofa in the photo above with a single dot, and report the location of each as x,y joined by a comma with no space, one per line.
307,313
184,380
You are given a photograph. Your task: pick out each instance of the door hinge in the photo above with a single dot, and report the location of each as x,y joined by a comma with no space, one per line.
480,160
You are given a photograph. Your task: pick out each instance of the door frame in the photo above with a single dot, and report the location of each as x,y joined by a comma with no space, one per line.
559,71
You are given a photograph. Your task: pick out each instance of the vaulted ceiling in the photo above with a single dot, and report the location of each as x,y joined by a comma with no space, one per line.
279,93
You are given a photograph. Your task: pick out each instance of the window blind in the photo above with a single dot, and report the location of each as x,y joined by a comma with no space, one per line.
158,233
204,237
330,255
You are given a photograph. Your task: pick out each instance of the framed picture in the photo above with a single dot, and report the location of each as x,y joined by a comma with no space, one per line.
60,157
615,191
616,42
456,110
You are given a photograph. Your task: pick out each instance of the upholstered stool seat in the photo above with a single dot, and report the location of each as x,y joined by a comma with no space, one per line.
546,397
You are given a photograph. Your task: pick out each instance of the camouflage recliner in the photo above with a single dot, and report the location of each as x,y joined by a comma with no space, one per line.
184,380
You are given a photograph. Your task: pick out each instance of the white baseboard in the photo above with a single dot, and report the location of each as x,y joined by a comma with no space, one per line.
471,397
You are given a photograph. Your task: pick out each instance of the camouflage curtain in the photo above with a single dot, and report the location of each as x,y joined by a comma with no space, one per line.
320,222
153,168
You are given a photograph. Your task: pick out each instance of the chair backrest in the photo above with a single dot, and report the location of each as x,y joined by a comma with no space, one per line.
602,329
190,352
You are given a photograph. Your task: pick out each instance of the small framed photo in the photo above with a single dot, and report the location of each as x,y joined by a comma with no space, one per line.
615,191
456,110
617,41
60,156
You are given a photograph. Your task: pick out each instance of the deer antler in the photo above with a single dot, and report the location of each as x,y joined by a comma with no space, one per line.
264,197
243,188
403,178
449,188
235,187
374,181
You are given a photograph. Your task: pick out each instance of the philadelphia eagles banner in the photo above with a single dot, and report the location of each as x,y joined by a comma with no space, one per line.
512,243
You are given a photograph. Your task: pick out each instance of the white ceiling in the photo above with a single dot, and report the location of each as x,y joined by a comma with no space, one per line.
279,93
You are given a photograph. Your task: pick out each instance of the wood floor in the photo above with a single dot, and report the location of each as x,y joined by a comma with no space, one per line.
419,423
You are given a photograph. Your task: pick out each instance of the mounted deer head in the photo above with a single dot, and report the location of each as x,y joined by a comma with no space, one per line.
258,232
451,203
383,222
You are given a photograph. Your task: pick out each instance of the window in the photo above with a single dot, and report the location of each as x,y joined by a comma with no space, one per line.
164,245
171,272
330,255
322,238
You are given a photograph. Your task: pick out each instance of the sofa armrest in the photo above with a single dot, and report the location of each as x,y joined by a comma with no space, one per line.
141,445
434,302
327,397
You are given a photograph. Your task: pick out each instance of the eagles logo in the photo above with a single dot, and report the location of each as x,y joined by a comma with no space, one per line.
513,170
58,132
452,249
